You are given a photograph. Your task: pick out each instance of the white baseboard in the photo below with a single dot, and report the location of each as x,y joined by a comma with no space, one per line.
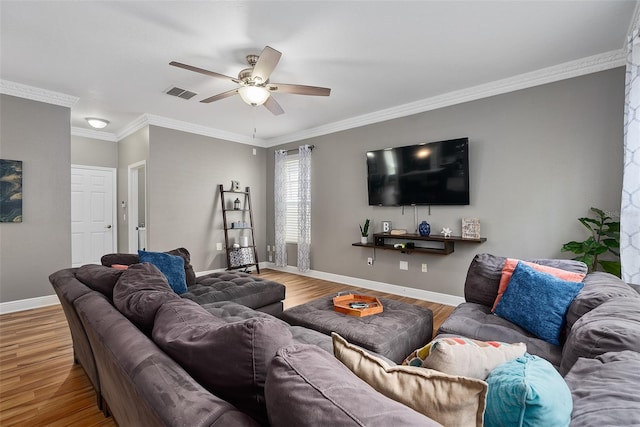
28,304
420,294
202,273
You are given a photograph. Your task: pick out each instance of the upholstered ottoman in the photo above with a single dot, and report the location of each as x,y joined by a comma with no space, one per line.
242,288
395,333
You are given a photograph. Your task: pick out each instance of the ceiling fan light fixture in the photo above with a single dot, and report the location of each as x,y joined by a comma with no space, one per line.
254,95
97,123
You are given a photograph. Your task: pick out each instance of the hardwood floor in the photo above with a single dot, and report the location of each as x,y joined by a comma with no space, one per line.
41,386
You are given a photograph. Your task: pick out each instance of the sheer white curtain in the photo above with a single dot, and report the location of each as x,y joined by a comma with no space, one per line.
630,213
304,208
280,207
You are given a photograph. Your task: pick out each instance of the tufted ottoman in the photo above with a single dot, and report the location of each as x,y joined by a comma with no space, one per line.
242,288
394,333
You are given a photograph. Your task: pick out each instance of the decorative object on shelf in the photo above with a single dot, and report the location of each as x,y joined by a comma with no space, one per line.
386,226
424,228
398,232
236,246
240,257
605,237
364,232
470,228
378,241
11,190
235,185
446,231
236,204
244,241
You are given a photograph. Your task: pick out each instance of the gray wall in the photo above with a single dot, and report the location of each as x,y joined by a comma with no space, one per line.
39,135
184,171
539,159
132,149
93,152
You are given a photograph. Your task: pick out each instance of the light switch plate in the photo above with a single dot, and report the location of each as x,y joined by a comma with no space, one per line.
404,265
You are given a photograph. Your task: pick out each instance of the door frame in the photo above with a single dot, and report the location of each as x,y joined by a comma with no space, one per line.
132,182
114,199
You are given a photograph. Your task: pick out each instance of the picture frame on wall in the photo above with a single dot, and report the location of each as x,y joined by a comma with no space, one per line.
470,228
10,190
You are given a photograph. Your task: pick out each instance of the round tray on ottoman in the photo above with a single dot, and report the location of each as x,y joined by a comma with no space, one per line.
394,333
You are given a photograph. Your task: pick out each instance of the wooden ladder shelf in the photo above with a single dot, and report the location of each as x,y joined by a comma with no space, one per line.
244,256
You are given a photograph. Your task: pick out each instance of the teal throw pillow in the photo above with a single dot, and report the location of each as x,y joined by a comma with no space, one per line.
527,391
172,266
537,302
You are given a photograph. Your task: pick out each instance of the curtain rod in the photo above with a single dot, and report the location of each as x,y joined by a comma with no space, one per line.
297,149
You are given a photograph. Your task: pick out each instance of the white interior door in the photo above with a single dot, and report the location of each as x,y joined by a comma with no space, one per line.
93,206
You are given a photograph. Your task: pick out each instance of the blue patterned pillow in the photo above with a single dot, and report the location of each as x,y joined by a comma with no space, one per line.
527,391
537,302
172,266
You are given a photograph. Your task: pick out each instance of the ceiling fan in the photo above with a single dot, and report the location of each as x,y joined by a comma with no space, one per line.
255,87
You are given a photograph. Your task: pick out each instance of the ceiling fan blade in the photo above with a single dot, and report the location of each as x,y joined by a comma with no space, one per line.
273,106
220,96
267,62
203,71
299,89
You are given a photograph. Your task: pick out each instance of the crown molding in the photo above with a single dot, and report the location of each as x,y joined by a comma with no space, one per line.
588,65
37,94
166,122
634,24
94,134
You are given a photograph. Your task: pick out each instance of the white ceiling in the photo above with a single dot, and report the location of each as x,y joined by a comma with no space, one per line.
382,59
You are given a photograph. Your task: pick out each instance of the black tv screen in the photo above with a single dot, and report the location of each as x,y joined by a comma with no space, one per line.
435,173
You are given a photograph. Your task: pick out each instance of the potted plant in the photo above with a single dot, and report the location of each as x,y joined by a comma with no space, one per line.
605,238
364,232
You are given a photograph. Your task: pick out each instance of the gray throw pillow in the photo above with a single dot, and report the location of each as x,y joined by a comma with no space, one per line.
229,359
128,259
99,278
139,292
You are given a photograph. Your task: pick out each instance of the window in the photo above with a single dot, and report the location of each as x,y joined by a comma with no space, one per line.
291,165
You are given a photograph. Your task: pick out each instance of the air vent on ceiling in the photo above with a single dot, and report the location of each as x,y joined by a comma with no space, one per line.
180,93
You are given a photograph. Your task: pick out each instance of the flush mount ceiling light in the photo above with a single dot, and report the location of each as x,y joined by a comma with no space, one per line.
254,95
97,123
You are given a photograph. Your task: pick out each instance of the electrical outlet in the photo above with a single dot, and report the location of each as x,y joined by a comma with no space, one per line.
270,258
424,268
370,261
404,265
219,246
268,248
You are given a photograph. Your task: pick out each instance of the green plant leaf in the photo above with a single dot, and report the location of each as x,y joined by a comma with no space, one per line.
599,212
612,227
587,259
613,267
610,243
587,221
573,246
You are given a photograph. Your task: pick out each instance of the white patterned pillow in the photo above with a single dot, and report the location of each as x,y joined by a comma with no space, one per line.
464,356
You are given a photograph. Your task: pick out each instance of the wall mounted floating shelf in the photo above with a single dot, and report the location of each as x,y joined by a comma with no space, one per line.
446,245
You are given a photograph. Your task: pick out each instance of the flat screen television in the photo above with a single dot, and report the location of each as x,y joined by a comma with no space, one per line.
435,173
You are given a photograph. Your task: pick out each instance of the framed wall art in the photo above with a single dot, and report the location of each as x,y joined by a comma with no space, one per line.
10,190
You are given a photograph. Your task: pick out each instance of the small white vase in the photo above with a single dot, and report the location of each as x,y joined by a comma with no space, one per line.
364,239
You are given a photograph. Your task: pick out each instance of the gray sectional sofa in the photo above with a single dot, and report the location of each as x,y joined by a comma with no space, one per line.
599,354
159,359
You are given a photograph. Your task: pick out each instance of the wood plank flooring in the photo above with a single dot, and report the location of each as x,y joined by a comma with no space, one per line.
41,386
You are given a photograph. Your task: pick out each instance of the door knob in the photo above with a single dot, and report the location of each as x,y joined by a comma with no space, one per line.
108,226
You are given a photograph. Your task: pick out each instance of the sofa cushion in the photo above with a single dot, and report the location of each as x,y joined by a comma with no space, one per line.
309,387
229,359
538,302
99,278
527,391
139,292
485,271
605,389
128,259
476,321
447,399
246,289
598,288
172,266
611,327
464,356
510,265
